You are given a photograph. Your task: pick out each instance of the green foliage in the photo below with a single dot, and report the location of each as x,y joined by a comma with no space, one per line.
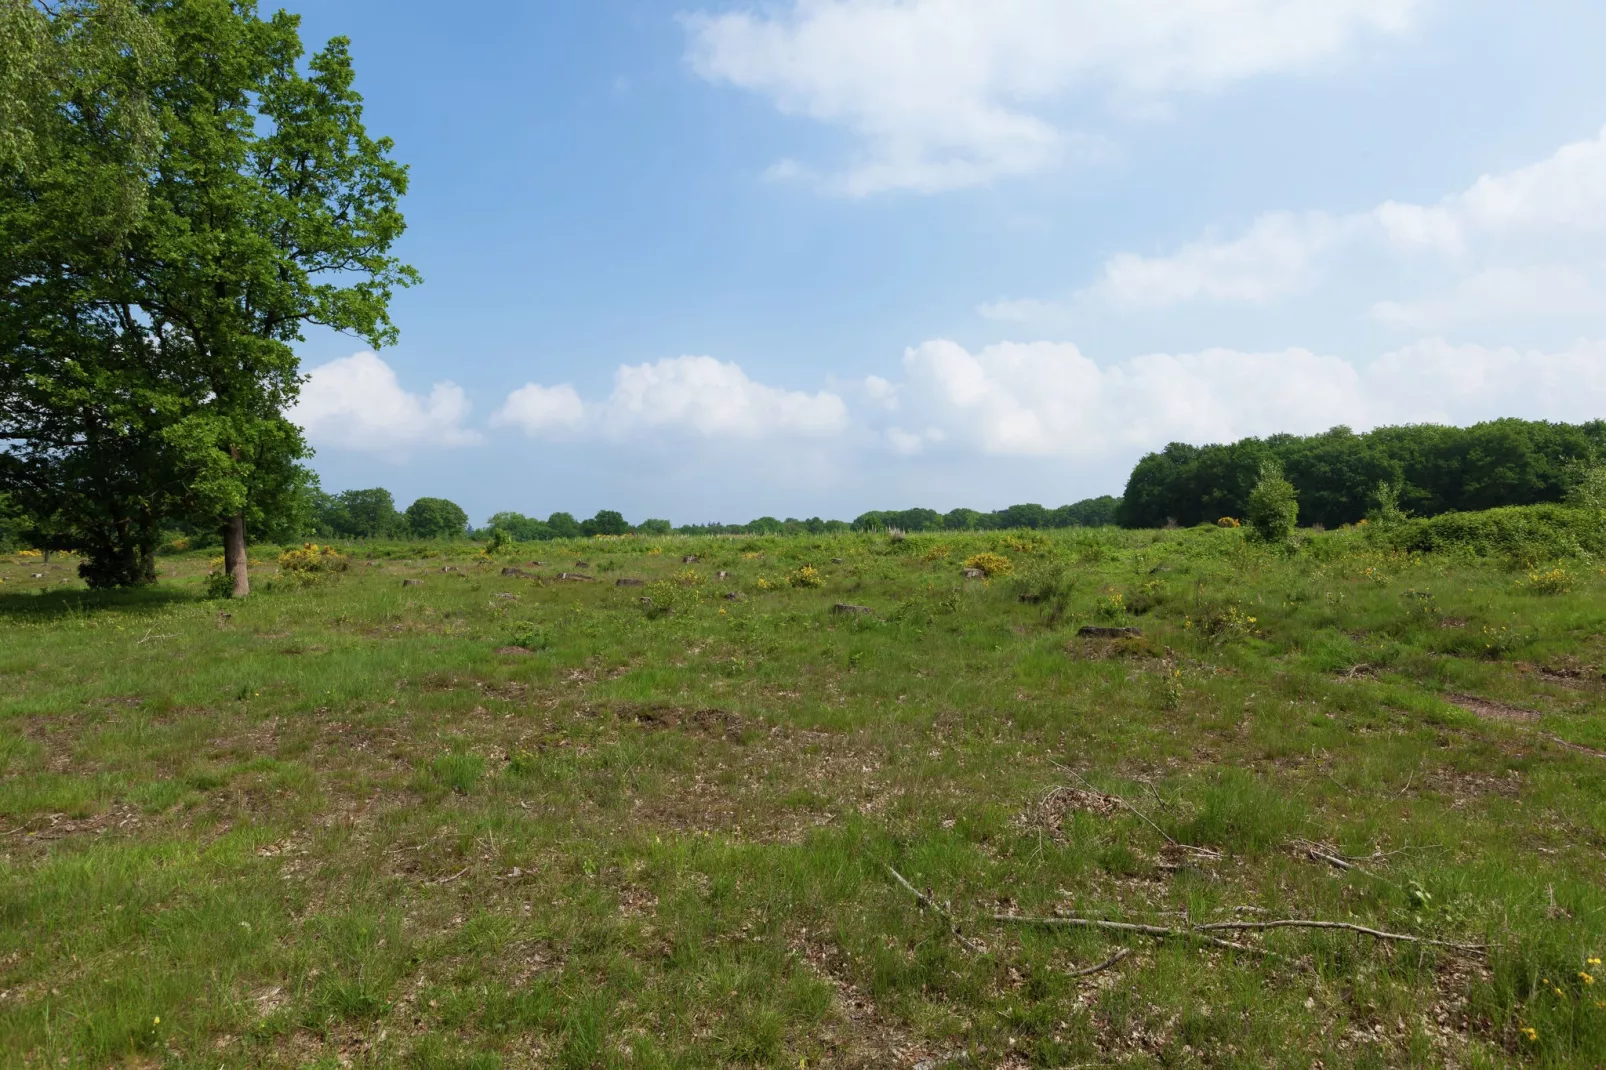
500,543
1523,536
436,518
1091,512
358,514
1435,469
1386,504
606,522
654,527
521,527
159,263
1587,489
563,526
1273,507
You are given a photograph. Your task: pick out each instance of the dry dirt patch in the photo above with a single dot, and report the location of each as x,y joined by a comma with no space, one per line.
1490,710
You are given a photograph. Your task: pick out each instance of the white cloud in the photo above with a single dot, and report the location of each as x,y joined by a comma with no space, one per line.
357,403
699,396
950,93
1524,243
1272,258
1500,292
541,409
1048,399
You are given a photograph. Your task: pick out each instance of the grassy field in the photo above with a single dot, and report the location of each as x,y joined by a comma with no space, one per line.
484,820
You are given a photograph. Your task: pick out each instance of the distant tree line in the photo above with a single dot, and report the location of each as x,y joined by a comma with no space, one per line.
1088,513
1432,469
372,514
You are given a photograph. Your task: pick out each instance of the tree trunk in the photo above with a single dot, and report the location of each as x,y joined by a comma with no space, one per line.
234,559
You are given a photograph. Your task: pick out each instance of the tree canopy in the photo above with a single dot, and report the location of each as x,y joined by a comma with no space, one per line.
436,518
154,284
1436,469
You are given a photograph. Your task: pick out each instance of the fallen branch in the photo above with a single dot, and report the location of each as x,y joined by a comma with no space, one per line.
1317,853
1579,747
1158,932
936,908
1376,934
448,880
1101,967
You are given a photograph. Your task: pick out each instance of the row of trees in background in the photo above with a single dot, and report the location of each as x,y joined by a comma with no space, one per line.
1088,513
372,514
1428,468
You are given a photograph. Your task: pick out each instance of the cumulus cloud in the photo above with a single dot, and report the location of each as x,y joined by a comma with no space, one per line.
1525,243
1272,258
357,403
1548,290
946,94
698,396
541,409
1047,399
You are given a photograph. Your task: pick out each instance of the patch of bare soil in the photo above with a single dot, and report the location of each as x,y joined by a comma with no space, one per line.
47,827
710,721
861,1036
1054,807
1490,710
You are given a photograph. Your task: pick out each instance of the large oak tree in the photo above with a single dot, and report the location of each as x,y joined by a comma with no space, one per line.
171,217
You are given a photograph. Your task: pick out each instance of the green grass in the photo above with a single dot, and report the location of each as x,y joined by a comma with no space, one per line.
488,821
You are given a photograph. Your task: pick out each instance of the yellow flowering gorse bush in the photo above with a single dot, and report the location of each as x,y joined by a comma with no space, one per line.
990,563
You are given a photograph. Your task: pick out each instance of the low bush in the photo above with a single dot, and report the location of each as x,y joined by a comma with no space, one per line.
807,576
992,564
1521,535
1273,505
312,563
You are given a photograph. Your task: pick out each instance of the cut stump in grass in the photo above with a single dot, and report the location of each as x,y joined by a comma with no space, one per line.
1099,631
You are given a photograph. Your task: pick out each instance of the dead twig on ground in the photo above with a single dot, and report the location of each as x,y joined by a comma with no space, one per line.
1346,926
1101,967
1579,747
1158,932
1318,853
936,908
1202,932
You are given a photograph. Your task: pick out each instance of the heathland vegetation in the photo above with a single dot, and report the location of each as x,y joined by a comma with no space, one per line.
1293,755
1214,796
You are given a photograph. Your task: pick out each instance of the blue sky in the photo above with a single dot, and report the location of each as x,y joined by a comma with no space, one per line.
716,260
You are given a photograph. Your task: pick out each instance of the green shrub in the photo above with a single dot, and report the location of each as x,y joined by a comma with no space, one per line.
1523,535
1273,505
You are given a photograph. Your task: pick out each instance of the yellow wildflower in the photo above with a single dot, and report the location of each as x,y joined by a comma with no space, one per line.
157,1020
1592,961
1529,1032
1584,977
